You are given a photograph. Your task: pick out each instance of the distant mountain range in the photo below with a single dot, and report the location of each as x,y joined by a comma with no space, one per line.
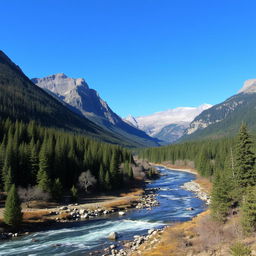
168,125
78,97
224,119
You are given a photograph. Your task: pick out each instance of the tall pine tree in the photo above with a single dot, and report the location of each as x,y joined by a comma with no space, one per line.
12,212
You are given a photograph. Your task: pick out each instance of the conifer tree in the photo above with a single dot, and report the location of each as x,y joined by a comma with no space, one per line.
8,180
221,197
245,160
43,181
12,212
248,219
57,190
74,193
108,185
101,176
114,170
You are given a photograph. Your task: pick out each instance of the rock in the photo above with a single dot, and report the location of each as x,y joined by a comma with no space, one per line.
82,211
112,246
113,236
63,208
150,231
121,213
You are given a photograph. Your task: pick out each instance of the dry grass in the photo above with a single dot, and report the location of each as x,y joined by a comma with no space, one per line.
174,241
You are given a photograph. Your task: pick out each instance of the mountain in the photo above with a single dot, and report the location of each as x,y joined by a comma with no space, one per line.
167,125
76,94
224,119
21,99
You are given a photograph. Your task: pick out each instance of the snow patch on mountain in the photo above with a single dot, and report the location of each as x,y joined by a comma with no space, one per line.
154,124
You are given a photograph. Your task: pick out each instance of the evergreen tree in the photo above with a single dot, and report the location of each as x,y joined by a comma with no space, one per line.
221,197
12,213
74,194
8,180
101,176
57,190
248,220
43,181
114,170
108,185
245,160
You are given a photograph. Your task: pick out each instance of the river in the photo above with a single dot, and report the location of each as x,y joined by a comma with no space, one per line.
84,237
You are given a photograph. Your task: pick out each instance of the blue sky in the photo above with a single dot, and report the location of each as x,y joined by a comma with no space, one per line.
142,56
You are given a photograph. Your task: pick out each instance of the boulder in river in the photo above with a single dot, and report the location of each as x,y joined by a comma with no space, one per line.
113,236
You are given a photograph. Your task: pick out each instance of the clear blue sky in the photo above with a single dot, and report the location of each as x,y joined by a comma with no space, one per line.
142,56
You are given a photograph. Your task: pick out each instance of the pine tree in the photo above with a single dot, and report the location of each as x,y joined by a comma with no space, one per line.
108,185
114,170
248,219
12,213
43,181
221,197
57,190
245,160
74,194
101,176
8,180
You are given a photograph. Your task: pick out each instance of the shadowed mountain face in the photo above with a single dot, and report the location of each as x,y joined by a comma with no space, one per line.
224,119
76,94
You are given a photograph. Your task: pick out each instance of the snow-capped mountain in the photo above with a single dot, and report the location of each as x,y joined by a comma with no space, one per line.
76,94
167,125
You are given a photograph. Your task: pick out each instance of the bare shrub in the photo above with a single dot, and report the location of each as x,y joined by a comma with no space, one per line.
32,193
210,233
138,172
86,180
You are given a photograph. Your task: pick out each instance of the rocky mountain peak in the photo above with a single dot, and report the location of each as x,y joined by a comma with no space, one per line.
249,86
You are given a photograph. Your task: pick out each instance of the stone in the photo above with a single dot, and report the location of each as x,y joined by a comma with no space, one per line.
113,236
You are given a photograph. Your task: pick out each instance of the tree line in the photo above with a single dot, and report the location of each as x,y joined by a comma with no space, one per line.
34,155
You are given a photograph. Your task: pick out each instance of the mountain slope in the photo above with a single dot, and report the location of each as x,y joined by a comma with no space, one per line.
224,119
21,100
76,94
167,125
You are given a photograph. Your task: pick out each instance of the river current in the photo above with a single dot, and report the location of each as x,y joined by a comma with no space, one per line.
80,238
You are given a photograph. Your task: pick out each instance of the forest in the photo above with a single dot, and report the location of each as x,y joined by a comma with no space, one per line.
31,154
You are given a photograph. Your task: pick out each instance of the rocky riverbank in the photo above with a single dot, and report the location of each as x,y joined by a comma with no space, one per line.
132,246
193,186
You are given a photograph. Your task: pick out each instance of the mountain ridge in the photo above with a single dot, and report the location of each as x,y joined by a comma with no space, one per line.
86,101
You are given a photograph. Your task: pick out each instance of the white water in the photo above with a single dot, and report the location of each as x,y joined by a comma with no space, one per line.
87,236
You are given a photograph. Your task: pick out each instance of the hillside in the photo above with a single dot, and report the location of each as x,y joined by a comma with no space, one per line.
224,119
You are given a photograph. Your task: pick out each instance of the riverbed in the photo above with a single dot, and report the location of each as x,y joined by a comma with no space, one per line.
81,238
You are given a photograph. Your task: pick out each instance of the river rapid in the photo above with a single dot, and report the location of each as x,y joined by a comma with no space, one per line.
81,238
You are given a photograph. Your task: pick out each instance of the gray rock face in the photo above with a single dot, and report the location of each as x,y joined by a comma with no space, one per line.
249,86
76,94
